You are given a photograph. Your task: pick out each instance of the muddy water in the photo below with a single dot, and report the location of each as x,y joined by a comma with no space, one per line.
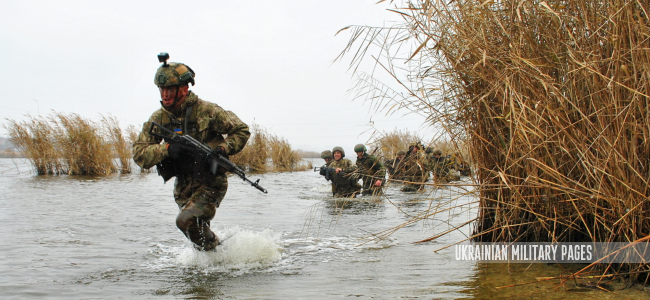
114,237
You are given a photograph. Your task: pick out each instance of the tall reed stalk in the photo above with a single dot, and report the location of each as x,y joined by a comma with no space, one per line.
121,147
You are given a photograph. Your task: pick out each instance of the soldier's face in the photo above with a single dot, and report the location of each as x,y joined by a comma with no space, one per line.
337,155
359,154
169,93
327,160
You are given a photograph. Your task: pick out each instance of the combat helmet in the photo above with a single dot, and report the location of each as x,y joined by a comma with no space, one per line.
401,152
326,154
360,148
337,148
171,74
437,152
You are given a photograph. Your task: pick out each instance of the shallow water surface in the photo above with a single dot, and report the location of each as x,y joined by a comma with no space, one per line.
114,237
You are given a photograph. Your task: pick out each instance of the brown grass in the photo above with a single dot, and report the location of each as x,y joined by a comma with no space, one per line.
551,98
35,138
266,152
71,144
384,145
121,147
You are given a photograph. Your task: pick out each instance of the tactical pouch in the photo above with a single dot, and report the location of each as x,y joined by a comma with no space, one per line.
166,169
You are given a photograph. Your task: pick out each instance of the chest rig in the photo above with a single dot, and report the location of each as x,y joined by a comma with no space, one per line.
190,164
185,125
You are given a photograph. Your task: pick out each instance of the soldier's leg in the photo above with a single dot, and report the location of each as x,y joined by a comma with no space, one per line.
195,216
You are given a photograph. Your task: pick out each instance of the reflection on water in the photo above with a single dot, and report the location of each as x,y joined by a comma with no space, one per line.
545,281
114,237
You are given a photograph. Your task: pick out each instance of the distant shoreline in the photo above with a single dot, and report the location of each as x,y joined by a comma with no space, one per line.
11,154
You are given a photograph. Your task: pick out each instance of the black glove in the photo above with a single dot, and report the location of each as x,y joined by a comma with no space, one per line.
175,150
220,151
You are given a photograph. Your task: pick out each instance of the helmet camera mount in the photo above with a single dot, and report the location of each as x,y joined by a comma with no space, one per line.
163,57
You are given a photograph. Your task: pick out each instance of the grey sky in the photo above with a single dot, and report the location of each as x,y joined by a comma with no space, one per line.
270,62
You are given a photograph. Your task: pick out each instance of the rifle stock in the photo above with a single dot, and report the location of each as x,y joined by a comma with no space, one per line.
216,160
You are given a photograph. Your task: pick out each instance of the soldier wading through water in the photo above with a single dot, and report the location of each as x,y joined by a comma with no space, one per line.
371,169
344,178
197,191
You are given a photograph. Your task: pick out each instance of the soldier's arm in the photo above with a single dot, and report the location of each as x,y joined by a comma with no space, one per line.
350,167
147,150
380,169
226,122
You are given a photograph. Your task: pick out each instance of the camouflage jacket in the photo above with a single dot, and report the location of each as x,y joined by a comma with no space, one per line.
204,121
439,165
348,168
415,165
371,166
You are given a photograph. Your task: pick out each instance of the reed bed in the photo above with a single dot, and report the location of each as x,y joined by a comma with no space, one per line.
121,144
71,144
35,138
385,145
265,152
551,98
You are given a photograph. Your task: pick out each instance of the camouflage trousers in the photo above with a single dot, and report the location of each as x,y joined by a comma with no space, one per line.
346,190
369,187
415,182
198,200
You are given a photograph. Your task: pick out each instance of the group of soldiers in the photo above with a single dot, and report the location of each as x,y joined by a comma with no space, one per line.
412,168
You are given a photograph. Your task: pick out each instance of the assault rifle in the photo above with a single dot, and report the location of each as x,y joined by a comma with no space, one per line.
328,172
325,171
215,159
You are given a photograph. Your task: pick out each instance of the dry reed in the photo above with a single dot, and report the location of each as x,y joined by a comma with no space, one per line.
266,152
551,98
71,144
385,145
35,139
121,147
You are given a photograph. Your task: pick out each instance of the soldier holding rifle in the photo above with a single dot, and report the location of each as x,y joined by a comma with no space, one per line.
200,185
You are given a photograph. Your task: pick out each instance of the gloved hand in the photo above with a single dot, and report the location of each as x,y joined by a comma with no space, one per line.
175,150
220,151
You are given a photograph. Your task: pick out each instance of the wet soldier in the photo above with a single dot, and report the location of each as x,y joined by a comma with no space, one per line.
439,166
371,169
197,191
463,166
395,166
416,170
344,178
327,157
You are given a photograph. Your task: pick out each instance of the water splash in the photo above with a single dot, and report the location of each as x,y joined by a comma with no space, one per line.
240,249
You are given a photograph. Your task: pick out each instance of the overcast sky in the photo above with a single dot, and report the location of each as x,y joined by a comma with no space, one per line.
270,62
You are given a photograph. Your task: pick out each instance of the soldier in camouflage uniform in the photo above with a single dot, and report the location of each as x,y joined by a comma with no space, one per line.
197,192
416,169
439,166
327,157
395,167
371,169
344,178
